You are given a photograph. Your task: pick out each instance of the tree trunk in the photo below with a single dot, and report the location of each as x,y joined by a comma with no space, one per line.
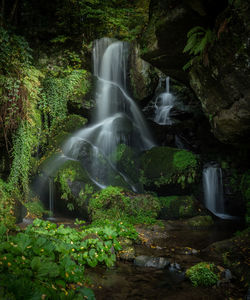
12,13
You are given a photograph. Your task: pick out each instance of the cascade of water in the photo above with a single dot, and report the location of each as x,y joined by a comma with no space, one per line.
213,191
163,105
117,120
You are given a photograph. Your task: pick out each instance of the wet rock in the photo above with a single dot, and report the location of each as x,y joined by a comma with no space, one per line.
128,250
189,251
176,207
151,262
143,76
169,171
200,221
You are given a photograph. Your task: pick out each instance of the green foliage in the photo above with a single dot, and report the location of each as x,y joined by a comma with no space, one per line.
117,204
164,165
69,173
175,207
198,41
98,18
7,203
49,260
55,95
202,274
15,53
35,208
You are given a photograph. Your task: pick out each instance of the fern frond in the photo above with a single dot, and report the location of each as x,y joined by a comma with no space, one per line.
188,65
195,29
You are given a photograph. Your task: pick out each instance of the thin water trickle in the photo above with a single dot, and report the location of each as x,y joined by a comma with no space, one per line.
213,191
163,105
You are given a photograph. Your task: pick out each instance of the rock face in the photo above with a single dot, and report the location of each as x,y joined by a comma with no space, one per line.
222,85
143,76
168,171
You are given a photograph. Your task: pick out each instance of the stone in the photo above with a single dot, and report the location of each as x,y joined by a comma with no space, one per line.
151,262
143,76
169,171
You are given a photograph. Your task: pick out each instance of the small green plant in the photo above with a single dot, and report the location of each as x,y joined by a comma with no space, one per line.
202,274
198,41
47,261
117,204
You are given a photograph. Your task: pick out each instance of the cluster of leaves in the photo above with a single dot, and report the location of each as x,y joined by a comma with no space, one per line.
19,117
198,41
202,274
97,18
55,95
165,165
178,207
48,262
118,204
7,203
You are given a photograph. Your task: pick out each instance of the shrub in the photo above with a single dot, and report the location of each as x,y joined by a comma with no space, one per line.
202,274
117,204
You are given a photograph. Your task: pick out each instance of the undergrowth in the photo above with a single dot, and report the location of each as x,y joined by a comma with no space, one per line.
47,261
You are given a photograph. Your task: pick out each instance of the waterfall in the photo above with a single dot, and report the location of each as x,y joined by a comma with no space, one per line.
163,105
213,190
117,119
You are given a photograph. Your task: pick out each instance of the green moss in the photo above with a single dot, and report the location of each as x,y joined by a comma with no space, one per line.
175,207
70,174
126,161
164,165
202,274
117,204
201,221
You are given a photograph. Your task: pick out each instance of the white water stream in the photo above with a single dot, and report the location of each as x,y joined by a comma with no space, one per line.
117,120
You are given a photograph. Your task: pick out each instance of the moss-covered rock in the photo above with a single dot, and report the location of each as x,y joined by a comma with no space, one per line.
74,189
126,161
176,207
200,221
59,134
169,170
118,204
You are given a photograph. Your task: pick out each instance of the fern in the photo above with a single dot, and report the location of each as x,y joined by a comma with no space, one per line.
198,41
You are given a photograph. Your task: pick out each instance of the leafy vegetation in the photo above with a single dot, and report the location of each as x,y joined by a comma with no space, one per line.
164,165
175,207
202,274
198,41
47,262
117,204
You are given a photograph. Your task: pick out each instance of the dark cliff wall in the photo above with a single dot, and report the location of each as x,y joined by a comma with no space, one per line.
222,83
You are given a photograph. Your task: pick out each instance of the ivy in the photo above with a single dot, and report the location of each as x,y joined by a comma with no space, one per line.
55,95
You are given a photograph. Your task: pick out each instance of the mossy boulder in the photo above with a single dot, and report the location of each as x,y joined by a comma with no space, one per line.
125,160
169,170
59,134
176,207
200,221
118,204
74,189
